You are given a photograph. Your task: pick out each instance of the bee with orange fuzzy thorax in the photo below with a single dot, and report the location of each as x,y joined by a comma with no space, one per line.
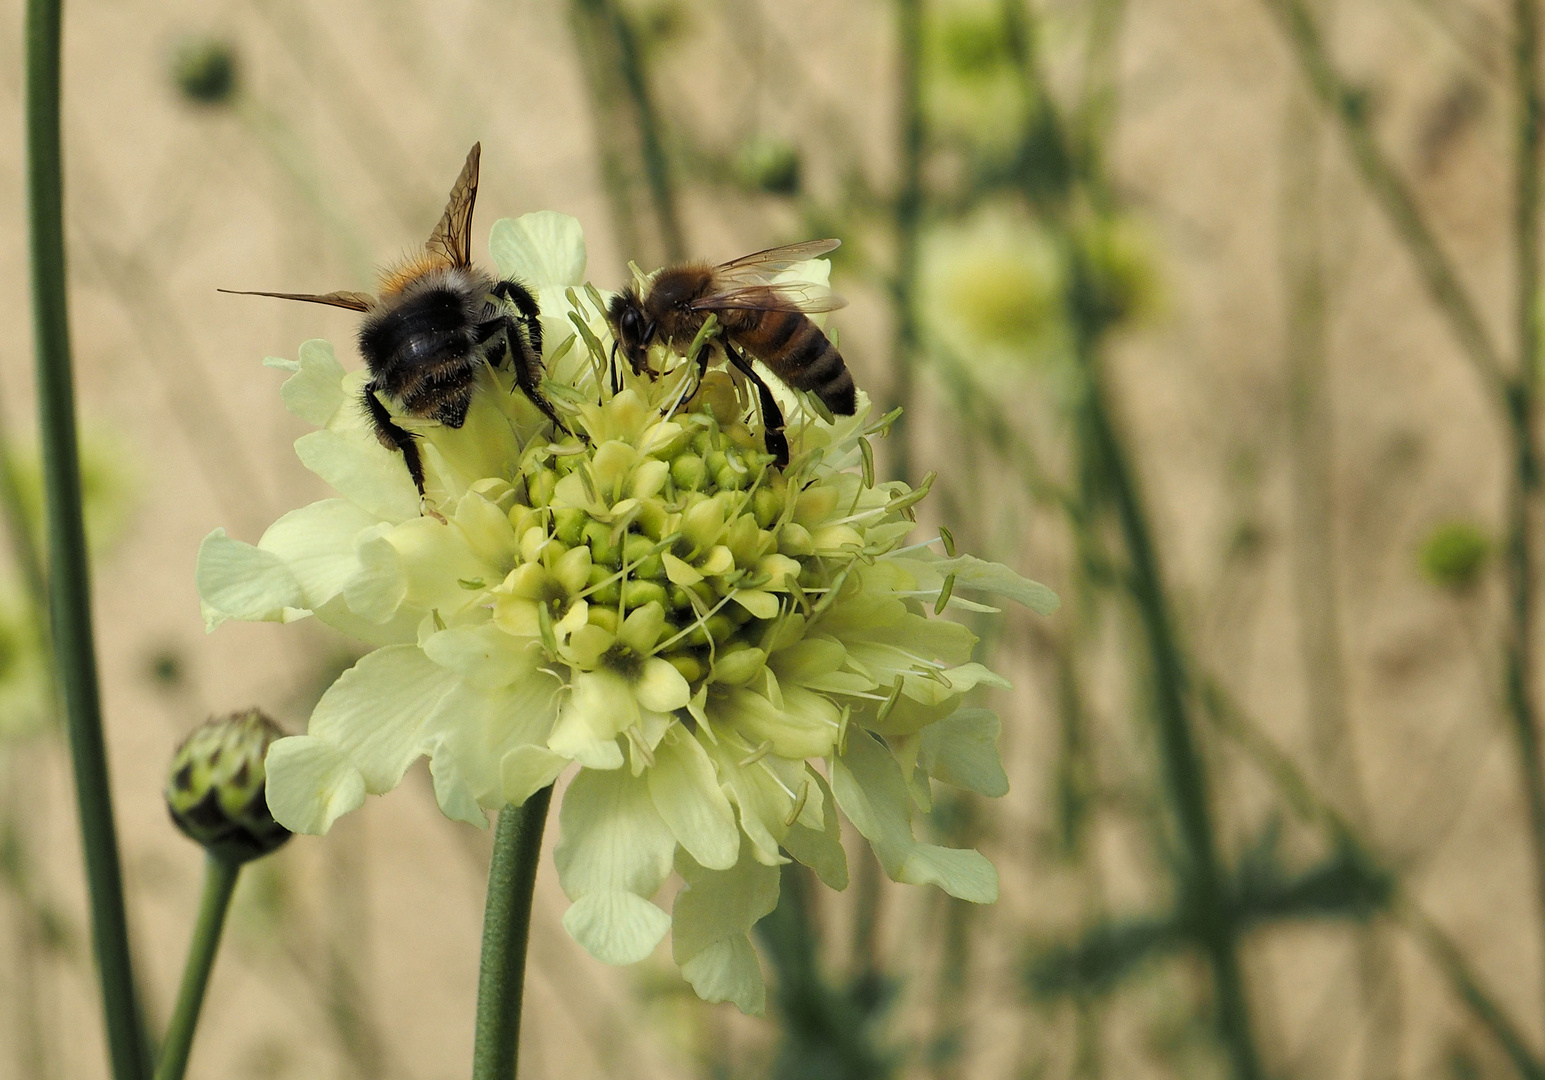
437,320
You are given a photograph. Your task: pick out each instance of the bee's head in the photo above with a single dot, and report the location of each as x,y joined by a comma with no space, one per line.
633,329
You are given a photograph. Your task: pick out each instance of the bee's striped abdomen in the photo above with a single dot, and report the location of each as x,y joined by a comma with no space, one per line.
795,348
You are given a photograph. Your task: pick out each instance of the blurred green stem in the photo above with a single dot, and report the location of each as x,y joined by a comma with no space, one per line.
1521,540
1515,394
506,929
1305,798
1203,890
70,599
628,132
908,224
825,1031
1349,106
219,883
1313,548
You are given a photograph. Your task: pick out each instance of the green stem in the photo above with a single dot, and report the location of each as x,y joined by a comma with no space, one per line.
908,225
506,928
662,193
1390,191
635,169
1203,890
70,591
1313,805
219,883
1521,522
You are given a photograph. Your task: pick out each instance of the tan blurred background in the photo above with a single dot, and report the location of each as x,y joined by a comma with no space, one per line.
1325,476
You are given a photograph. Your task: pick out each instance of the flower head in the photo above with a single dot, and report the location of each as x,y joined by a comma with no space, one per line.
214,788
729,652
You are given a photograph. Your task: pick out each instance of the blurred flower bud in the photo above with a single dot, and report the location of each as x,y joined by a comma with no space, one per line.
1454,554
214,788
769,164
205,71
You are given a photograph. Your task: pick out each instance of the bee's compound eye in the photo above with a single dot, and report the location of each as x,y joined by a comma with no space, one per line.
631,324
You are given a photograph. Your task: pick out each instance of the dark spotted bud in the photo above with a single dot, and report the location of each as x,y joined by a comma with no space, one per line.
214,788
205,72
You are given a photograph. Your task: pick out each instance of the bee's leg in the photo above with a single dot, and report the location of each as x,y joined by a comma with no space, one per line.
772,416
616,370
528,367
394,437
530,313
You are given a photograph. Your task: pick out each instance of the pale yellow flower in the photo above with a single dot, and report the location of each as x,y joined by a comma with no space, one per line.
726,652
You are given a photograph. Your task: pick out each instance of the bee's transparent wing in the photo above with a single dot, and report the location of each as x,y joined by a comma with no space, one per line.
772,260
354,301
802,296
452,238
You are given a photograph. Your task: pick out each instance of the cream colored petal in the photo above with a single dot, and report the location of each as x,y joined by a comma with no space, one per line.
805,727
438,559
821,849
485,529
473,728
684,787
661,688
678,571
586,645
310,784
525,770
315,391
962,750
611,837
453,789
641,629
379,586
400,629
616,927
540,249
374,712
572,570
760,603
362,471
963,873
970,572
869,787
239,581
762,803
599,707
317,543
711,921
487,657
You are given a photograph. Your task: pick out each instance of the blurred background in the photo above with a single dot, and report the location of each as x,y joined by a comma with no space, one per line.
1208,313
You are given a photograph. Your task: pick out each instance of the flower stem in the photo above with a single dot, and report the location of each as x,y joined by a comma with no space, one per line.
506,928
70,586
1203,889
219,883
907,223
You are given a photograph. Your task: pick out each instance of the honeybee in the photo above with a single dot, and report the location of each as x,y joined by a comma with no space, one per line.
437,320
756,315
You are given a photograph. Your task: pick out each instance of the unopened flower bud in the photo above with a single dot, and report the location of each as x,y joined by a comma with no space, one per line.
766,504
205,72
215,787
688,472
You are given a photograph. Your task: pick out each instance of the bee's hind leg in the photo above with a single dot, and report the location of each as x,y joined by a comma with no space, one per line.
396,438
524,354
772,416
